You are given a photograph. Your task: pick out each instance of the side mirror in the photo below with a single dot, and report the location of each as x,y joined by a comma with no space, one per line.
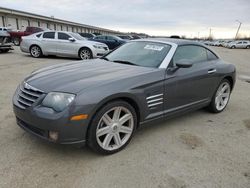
72,40
184,64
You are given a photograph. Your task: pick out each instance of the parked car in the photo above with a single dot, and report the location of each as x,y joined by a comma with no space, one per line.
102,102
125,37
62,43
135,37
225,43
110,40
17,35
5,42
239,44
87,35
219,43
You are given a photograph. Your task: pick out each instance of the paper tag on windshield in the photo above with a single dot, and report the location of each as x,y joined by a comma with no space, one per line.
153,47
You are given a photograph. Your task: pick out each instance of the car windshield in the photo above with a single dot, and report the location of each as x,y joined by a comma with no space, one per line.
125,37
78,36
140,53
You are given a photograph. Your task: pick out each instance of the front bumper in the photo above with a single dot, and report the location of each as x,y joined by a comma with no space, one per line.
39,120
99,52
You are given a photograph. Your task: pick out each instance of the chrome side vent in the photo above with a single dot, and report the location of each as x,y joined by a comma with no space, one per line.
154,100
27,95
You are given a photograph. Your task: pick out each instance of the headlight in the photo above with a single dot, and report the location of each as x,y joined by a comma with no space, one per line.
58,101
98,47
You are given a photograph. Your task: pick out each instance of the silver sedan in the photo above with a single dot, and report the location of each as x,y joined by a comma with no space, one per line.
62,43
239,44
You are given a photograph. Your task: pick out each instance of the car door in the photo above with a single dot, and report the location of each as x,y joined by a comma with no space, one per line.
244,44
49,43
66,46
239,44
186,87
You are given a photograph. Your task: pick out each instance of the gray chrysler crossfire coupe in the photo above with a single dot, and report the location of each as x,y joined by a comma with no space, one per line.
102,102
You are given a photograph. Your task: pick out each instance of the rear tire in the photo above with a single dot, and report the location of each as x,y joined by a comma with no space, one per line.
221,97
16,41
112,127
247,47
36,51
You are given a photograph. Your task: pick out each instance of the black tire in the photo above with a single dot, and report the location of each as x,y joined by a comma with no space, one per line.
247,47
91,136
16,41
36,51
85,53
212,106
233,47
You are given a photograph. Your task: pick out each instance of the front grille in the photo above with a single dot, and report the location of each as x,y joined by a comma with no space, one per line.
27,95
31,128
105,48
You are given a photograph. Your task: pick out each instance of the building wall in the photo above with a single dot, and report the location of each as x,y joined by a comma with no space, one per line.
17,22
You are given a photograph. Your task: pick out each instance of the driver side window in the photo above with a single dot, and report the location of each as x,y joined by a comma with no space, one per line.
191,53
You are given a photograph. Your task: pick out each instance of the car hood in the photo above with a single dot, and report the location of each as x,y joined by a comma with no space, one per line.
88,42
77,76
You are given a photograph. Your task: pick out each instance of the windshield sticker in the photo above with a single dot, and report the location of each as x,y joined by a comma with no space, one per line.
153,47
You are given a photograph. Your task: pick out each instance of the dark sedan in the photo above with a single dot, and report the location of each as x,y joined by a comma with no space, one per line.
111,41
102,102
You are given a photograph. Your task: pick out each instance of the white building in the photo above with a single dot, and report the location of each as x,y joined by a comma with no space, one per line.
19,20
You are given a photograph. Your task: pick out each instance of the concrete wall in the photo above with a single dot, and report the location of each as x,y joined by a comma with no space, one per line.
18,20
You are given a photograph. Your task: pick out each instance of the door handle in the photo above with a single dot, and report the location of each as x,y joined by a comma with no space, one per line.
211,71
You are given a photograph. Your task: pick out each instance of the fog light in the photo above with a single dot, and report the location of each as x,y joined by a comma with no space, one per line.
53,135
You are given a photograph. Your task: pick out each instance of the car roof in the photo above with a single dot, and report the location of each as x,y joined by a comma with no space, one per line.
178,42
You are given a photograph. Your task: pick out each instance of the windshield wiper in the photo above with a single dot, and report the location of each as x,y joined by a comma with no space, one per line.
104,58
125,62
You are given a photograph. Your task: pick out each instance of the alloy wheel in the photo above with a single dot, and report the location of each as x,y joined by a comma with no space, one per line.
115,128
222,96
35,51
85,54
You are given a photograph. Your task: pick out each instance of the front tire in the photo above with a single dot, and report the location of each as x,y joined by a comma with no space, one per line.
85,53
112,127
247,47
35,51
221,97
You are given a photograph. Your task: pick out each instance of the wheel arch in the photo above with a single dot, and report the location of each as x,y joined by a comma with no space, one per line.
35,45
230,79
130,99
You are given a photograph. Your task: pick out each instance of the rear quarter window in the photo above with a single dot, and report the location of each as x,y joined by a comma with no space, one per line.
39,35
49,35
211,56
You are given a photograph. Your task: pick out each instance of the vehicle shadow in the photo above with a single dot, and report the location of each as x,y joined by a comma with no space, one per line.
85,153
53,57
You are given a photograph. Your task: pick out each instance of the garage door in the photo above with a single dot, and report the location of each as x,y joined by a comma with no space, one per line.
58,27
11,22
43,25
1,21
34,23
64,28
70,28
23,24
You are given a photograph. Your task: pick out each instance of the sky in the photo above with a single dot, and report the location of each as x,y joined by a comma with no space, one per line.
192,18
